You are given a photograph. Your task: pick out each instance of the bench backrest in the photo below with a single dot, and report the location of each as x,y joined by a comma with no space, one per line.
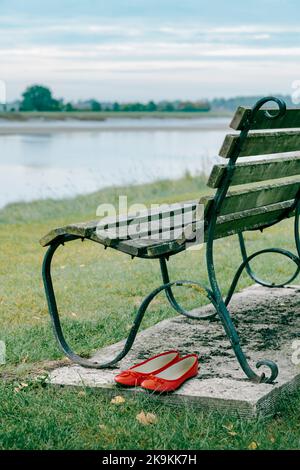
277,179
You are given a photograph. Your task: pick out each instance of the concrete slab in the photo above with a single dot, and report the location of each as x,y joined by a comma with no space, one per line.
268,321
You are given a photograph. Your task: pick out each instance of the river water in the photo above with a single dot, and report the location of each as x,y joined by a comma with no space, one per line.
63,159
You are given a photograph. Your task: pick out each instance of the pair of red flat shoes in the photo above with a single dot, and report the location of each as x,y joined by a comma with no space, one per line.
162,373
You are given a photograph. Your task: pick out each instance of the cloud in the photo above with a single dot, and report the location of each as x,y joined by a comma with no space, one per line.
127,51
99,48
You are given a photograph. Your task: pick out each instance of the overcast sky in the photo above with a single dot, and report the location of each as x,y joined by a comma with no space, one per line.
150,49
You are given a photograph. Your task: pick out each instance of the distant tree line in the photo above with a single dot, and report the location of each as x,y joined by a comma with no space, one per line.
40,98
231,104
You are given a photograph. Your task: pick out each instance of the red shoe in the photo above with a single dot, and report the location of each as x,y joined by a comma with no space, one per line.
173,376
134,376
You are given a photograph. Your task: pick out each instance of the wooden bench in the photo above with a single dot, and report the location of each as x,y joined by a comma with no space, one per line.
268,192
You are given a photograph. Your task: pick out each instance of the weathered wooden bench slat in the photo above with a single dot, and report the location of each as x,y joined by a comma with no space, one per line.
155,232
155,229
256,171
291,119
164,211
232,224
251,219
245,199
262,143
172,217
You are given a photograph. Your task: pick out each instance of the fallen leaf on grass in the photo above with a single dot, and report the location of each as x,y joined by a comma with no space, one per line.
40,379
253,445
146,418
118,400
81,393
20,387
229,428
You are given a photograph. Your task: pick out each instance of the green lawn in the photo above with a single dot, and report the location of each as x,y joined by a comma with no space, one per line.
98,291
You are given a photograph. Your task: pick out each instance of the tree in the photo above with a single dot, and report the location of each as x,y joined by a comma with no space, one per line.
151,106
95,105
165,106
68,108
38,98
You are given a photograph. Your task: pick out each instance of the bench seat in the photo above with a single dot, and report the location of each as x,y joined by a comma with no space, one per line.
164,237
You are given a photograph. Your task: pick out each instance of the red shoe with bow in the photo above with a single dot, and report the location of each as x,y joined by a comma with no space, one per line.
134,376
173,376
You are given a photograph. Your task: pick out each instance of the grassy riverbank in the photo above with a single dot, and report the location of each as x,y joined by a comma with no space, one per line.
98,291
102,115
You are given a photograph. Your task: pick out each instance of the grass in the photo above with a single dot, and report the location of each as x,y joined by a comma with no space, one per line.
98,292
41,418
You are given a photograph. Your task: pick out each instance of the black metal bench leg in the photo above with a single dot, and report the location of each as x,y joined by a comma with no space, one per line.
230,330
54,315
235,342
296,228
233,336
